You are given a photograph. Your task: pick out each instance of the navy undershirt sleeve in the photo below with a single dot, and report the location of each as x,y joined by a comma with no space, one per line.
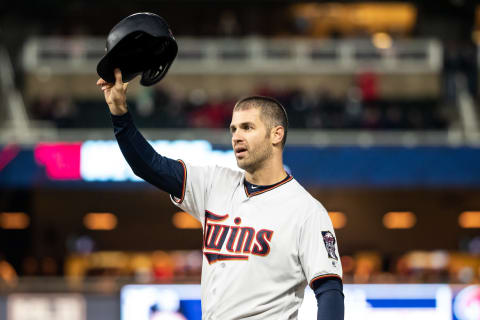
329,294
165,173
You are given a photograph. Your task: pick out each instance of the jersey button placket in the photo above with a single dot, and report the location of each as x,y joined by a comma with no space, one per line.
213,289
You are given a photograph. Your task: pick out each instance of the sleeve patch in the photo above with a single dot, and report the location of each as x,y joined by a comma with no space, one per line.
329,241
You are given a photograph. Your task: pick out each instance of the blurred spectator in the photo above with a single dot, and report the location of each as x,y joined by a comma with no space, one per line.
64,111
367,264
353,107
459,59
42,107
141,266
451,64
172,109
163,266
393,117
415,119
48,266
228,25
145,104
371,117
468,66
367,82
60,110
30,266
213,114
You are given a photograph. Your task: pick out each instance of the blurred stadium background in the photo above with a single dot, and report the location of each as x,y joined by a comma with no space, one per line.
383,104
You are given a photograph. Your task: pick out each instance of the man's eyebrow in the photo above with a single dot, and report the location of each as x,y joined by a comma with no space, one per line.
233,126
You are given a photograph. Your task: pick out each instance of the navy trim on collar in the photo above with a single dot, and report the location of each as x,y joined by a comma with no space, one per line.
253,189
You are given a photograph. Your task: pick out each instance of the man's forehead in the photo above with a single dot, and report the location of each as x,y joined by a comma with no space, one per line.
246,115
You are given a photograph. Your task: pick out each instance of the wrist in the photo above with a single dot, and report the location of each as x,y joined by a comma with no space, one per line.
118,110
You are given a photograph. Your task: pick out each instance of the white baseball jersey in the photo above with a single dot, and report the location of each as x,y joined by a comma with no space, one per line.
261,249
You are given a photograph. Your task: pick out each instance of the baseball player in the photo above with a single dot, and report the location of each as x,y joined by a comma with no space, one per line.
264,236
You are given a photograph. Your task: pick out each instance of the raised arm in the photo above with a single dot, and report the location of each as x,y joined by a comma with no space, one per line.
162,172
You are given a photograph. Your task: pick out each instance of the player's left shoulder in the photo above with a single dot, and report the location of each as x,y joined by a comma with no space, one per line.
306,200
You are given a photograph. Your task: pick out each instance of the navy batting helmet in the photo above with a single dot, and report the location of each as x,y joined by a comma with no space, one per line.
142,43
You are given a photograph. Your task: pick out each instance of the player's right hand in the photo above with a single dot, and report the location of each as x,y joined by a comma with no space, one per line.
115,94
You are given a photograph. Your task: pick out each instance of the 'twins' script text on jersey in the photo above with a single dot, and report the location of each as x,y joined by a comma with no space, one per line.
261,249
239,241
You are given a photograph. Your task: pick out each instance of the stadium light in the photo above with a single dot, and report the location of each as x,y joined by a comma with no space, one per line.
100,221
14,220
469,219
399,220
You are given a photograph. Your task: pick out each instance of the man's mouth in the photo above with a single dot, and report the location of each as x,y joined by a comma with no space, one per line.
240,151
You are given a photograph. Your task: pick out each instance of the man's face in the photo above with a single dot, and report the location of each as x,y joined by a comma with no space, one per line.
250,139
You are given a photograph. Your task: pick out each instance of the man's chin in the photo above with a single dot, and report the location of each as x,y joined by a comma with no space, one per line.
246,166
242,164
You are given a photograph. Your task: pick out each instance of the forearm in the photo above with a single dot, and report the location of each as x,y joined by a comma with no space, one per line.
329,294
330,306
162,172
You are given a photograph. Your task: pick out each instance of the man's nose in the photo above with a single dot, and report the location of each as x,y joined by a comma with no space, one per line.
236,137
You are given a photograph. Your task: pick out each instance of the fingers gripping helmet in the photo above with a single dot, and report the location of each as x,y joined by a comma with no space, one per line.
142,43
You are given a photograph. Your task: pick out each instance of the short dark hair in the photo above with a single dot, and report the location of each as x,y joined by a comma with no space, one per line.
271,110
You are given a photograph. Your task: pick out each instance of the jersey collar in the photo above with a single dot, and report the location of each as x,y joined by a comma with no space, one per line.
253,189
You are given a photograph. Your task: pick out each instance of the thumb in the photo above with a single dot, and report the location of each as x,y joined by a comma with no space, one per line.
118,78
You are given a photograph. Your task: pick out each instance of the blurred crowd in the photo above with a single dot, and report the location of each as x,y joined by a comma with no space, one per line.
172,107
417,266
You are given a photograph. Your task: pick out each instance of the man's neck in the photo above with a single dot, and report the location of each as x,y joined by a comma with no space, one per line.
267,175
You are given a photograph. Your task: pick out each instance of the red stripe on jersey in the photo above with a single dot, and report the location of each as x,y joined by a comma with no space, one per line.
324,276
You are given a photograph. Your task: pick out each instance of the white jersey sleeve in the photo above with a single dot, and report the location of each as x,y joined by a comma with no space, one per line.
318,249
197,183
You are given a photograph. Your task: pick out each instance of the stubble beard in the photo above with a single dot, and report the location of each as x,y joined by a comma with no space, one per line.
257,158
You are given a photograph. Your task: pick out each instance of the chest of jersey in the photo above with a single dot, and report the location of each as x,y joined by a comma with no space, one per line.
242,228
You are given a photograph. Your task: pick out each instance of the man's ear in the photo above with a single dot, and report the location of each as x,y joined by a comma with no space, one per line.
277,134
